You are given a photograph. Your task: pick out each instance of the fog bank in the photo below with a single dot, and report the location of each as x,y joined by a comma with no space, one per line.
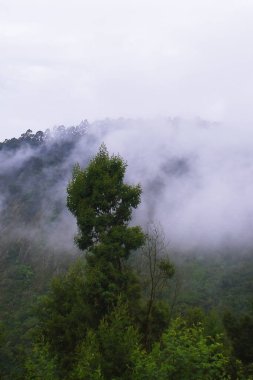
196,176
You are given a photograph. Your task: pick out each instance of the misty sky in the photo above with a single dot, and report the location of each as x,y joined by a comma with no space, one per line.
64,61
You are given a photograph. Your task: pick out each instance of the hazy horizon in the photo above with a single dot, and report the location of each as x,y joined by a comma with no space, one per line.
62,62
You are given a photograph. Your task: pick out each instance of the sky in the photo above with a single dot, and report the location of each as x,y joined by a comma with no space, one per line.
65,61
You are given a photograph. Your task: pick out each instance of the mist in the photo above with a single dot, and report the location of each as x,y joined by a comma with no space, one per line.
197,179
196,176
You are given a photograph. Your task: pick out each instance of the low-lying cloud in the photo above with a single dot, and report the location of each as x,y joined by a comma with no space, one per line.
197,181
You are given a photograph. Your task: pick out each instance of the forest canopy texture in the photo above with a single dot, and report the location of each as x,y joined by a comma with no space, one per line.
123,306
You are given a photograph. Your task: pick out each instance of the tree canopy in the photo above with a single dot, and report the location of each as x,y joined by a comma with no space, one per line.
78,301
102,203
102,317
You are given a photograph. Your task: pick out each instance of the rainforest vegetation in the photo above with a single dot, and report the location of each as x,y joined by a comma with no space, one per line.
115,301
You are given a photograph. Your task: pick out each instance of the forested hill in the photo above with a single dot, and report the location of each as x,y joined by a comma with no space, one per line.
36,229
35,169
213,259
196,186
36,226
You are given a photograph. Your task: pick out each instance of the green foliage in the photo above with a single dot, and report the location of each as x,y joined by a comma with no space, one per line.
4,352
240,333
88,361
102,203
220,281
184,353
211,320
105,282
156,271
40,365
86,333
64,313
17,295
80,299
118,339
108,352
158,322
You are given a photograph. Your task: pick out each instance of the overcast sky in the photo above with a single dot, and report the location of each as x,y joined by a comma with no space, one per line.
63,61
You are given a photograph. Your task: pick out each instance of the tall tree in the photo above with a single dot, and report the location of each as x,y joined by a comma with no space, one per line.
102,204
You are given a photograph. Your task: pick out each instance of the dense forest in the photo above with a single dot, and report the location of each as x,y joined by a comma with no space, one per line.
90,289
